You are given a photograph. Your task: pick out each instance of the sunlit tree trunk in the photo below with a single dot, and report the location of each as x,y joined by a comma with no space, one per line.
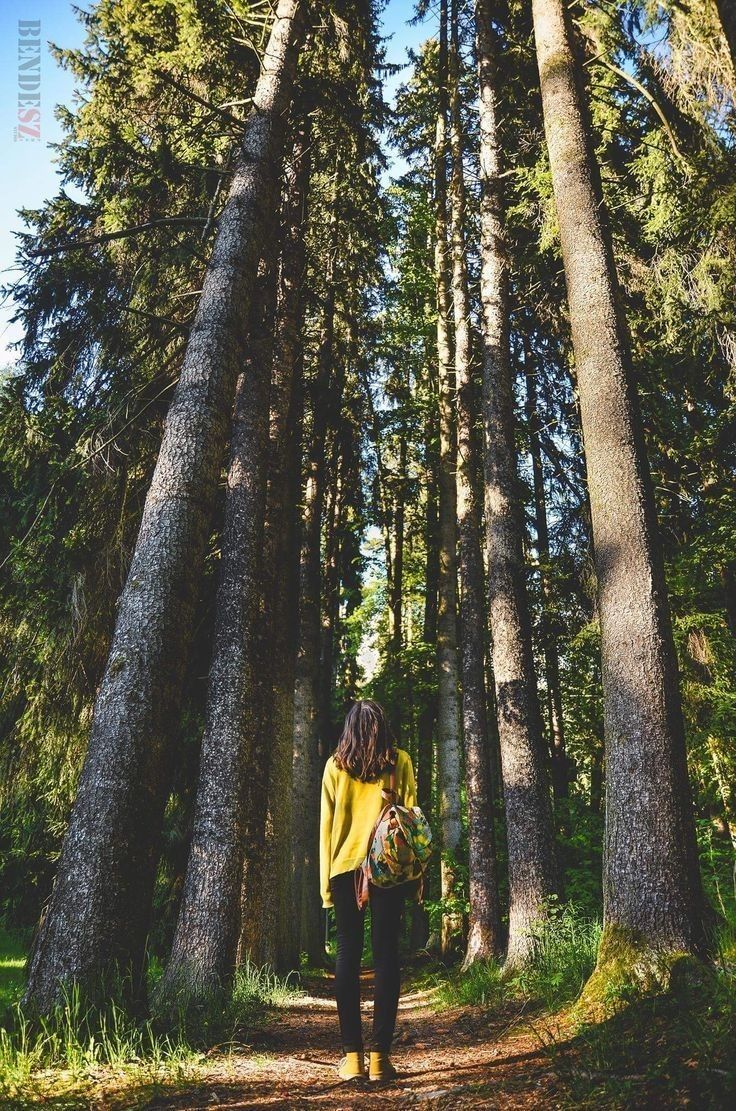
484,939
652,891
525,786
100,906
448,716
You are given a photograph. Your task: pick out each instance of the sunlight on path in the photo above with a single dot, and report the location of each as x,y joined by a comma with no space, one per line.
449,1057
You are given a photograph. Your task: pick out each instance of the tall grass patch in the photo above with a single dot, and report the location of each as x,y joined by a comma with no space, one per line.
79,1044
564,953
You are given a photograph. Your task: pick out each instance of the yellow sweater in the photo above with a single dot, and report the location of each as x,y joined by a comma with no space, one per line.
348,813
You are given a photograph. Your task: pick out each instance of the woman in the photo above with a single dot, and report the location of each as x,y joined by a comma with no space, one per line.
353,779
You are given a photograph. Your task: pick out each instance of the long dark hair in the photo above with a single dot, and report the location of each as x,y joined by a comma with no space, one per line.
366,744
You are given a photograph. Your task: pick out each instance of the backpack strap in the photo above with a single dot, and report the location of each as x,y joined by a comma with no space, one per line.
389,793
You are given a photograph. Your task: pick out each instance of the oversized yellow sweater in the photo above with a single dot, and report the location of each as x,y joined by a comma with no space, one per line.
348,813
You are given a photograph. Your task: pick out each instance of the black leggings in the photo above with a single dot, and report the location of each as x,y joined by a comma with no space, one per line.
386,907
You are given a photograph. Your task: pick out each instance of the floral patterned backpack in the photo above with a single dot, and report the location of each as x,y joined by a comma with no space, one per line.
399,848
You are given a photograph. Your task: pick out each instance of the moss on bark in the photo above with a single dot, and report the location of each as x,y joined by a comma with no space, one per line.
629,967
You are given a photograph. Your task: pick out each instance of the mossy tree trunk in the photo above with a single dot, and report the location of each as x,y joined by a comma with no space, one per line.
652,892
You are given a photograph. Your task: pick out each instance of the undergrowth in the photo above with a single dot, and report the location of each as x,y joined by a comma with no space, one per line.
78,1042
653,1049
565,947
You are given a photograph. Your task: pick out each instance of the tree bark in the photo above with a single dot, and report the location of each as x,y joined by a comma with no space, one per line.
428,713
727,16
265,895
652,891
306,763
99,910
484,935
448,718
558,755
526,792
202,958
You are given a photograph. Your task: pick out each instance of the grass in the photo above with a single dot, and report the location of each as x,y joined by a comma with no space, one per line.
79,1050
13,948
565,949
77,1044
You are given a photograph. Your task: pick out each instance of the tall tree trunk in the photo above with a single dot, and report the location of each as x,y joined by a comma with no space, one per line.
100,906
558,755
484,935
652,892
728,583
202,957
448,718
397,583
727,16
526,792
330,598
266,904
428,712
306,763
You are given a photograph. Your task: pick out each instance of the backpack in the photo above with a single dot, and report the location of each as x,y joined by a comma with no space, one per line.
399,847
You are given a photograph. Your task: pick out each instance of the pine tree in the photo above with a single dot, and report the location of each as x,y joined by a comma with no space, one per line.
529,832
652,894
100,908
448,712
485,920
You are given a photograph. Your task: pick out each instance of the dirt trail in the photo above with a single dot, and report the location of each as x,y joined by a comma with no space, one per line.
455,1058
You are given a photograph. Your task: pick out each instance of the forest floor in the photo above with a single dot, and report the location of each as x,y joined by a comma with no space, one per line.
453,1057
448,1057
506,1053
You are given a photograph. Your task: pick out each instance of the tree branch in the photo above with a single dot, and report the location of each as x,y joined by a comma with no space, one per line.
107,237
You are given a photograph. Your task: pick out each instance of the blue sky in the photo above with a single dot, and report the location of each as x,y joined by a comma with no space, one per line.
28,173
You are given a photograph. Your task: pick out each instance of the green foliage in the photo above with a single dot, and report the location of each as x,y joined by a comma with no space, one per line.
565,947
82,1039
13,949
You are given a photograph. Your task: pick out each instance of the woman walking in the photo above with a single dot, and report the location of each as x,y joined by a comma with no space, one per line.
355,789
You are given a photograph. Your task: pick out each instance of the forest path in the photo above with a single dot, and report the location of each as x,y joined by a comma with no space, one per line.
456,1057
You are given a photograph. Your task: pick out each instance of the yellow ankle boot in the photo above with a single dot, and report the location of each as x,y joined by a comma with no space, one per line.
351,1067
380,1067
